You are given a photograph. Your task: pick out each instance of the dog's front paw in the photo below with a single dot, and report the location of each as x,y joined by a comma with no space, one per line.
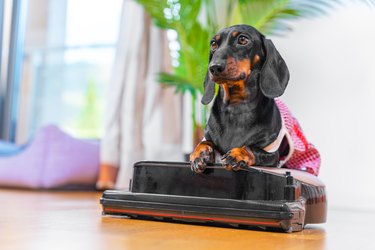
203,154
237,159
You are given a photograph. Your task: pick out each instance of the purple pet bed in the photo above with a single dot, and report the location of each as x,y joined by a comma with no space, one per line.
53,159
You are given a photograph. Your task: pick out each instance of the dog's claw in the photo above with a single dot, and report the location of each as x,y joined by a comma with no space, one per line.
198,165
228,162
202,155
225,156
241,165
236,167
236,160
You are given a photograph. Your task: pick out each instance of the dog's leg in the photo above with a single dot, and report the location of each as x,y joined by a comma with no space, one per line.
203,154
264,158
241,158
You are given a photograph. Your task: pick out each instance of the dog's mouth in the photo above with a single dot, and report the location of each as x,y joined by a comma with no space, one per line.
225,79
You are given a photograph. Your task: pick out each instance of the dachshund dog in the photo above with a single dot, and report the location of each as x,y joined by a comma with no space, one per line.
245,126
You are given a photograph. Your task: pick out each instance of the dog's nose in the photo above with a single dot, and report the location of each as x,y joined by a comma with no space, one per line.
216,69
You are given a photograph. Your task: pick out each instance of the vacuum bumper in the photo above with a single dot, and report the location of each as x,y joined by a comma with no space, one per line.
264,197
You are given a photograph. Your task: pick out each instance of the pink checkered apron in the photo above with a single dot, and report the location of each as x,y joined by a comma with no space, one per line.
304,155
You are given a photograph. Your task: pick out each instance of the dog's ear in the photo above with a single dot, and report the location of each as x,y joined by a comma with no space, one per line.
209,87
209,90
274,74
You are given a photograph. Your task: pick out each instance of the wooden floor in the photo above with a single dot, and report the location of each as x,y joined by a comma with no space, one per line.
72,220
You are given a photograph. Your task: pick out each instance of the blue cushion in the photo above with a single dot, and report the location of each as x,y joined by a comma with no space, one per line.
8,149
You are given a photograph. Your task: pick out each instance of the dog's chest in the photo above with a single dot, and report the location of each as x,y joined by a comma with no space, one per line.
228,130
239,126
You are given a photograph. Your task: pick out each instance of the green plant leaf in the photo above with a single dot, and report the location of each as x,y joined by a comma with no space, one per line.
157,10
274,16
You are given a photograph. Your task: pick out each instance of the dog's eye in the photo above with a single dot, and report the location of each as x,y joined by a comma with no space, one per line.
214,45
243,40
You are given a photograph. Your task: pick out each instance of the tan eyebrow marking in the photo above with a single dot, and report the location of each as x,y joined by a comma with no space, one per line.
235,33
217,37
256,59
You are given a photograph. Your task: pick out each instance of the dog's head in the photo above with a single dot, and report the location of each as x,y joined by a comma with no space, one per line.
235,52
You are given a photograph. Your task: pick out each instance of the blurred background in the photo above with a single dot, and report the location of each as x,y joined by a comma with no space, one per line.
58,64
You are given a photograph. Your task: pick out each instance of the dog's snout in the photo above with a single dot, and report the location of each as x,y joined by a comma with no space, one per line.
216,69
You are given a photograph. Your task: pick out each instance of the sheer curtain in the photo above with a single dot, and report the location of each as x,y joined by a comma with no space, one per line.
143,120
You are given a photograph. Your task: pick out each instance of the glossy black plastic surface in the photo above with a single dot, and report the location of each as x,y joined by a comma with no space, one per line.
257,197
215,182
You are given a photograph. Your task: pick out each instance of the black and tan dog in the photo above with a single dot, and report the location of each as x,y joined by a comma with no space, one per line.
244,122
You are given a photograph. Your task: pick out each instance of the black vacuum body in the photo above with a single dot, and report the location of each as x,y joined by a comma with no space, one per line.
264,197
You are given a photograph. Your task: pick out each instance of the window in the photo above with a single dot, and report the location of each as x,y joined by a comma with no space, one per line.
69,51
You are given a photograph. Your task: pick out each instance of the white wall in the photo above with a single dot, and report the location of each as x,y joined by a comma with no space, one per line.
332,92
